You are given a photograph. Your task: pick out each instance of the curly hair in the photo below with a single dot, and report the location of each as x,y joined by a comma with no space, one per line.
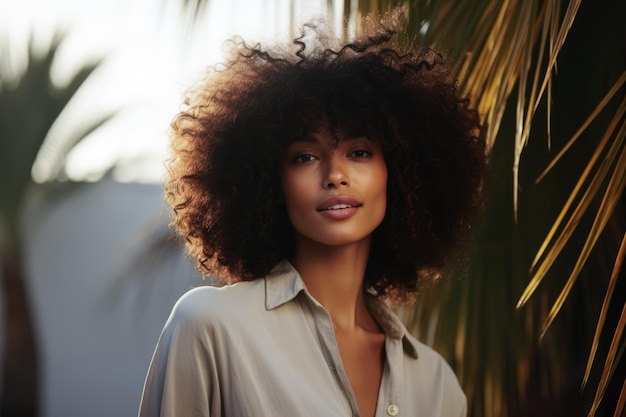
228,143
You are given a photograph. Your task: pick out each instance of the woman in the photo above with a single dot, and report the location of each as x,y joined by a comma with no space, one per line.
320,182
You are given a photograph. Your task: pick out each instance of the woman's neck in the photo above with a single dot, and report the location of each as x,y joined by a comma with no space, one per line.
334,276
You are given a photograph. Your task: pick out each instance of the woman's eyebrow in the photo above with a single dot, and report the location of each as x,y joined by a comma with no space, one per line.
305,139
348,138
316,140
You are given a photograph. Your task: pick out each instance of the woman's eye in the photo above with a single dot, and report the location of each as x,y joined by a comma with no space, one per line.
361,154
304,158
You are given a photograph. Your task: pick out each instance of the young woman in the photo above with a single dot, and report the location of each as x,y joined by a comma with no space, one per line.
321,182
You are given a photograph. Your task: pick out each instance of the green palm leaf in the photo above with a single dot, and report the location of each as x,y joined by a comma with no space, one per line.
28,108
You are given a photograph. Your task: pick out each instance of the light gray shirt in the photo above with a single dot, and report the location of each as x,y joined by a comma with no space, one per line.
267,348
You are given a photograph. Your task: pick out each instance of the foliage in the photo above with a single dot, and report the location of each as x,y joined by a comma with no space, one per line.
29,105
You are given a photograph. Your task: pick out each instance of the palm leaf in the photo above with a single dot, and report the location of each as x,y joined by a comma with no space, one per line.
621,403
584,175
583,205
612,195
52,156
29,106
611,356
609,367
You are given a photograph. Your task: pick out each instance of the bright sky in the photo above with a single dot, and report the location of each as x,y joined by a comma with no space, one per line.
151,54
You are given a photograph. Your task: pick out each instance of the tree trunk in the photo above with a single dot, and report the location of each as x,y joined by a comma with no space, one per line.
19,360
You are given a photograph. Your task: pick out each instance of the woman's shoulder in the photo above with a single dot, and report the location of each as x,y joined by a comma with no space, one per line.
433,364
206,303
429,379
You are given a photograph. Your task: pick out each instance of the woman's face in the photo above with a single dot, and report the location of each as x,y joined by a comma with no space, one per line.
335,191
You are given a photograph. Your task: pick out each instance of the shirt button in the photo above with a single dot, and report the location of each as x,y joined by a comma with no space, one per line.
393,410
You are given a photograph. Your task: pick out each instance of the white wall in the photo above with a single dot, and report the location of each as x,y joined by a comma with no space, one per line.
100,292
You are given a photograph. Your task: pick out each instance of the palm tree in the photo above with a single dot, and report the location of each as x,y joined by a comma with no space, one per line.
29,105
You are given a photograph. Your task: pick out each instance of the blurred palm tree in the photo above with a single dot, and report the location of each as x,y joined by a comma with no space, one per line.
29,105
521,344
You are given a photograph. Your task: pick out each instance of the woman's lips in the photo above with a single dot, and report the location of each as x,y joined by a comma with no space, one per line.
339,207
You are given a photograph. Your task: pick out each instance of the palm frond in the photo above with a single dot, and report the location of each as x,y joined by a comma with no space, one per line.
52,156
610,365
584,202
603,314
611,197
621,402
29,105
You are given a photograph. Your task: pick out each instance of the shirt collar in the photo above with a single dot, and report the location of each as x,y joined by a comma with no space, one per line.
284,283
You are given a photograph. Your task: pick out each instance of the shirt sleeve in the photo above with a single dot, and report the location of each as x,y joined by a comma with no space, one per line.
453,400
463,409
435,386
182,378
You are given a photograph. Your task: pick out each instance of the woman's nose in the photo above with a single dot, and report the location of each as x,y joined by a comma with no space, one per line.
336,173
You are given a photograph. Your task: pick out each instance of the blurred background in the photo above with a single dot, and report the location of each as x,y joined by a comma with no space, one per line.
532,320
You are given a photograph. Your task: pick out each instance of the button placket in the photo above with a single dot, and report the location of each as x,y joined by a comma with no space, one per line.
394,373
393,410
330,351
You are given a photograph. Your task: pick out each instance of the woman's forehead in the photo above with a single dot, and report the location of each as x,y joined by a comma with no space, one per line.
336,132
325,140
323,137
